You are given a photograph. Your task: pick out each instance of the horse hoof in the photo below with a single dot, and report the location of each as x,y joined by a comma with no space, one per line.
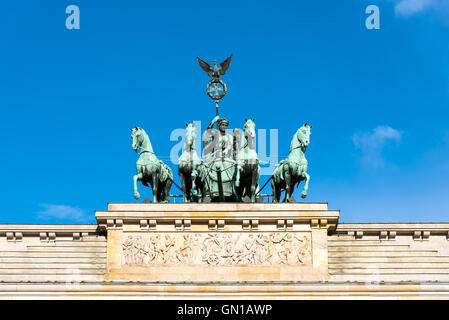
303,195
136,195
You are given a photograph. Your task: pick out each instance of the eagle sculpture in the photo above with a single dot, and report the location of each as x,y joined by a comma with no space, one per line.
215,72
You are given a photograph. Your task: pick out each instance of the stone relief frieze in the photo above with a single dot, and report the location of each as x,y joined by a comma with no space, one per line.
217,249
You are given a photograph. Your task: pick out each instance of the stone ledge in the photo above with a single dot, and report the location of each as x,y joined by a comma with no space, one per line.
228,282
419,231
249,215
16,232
237,290
166,207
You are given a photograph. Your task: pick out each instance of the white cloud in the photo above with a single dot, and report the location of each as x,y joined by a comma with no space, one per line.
408,8
58,211
371,143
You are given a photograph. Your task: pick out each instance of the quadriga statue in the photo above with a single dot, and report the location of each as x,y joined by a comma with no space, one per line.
150,168
292,170
191,169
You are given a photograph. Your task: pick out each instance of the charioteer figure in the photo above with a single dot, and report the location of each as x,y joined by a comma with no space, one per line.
218,144
221,166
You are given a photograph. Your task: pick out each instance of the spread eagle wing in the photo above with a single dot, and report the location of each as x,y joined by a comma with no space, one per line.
225,65
205,66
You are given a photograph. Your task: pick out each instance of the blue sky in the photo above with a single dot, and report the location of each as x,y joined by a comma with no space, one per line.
378,100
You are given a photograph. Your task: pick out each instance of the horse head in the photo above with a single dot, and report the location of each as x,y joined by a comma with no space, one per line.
249,128
303,135
137,136
190,134
141,140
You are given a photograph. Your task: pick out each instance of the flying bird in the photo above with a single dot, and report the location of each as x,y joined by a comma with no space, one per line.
215,72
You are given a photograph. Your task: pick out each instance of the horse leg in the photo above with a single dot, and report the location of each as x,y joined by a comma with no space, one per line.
288,186
154,186
254,182
183,185
194,187
194,190
167,190
275,191
292,188
245,190
198,190
203,192
237,176
159,191
137,177
306,186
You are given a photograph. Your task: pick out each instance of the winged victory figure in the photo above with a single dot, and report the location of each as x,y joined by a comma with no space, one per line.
215,72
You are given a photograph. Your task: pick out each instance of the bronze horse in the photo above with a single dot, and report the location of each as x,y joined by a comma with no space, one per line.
292,170
149,168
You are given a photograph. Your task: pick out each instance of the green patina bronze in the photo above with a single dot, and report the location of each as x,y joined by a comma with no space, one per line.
216,88
221,167
149,168
292,170
231,168
248,163
191,169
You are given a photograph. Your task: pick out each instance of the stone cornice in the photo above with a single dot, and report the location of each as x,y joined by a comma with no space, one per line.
46,231
208,207
390,230
181,214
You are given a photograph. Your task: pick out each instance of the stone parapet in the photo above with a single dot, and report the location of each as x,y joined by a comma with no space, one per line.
217,241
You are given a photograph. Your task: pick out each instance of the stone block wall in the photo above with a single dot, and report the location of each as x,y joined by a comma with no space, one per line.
295,250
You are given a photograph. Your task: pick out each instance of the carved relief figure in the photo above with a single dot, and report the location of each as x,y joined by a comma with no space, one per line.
185,253
135,250
223,249
155,251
